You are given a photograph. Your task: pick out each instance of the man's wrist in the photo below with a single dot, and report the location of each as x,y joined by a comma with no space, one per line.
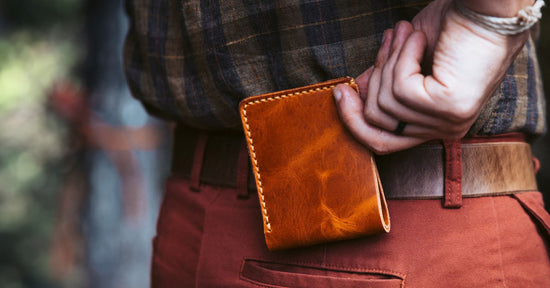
524,20
501,8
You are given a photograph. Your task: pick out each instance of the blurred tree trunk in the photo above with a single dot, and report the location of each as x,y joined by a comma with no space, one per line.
126,160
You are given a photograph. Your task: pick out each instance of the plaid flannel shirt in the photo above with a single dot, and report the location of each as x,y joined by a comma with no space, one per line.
193,61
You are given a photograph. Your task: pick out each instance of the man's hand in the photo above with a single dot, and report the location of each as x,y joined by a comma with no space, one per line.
466,63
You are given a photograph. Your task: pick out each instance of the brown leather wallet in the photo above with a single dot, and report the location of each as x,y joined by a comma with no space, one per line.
315,182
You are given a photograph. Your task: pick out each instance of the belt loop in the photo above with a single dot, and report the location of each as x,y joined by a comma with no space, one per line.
453,174
536,164
197,161
242,172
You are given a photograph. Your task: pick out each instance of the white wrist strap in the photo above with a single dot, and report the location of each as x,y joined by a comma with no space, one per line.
526,18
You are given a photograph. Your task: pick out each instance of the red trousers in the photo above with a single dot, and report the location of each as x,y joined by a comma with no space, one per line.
213,238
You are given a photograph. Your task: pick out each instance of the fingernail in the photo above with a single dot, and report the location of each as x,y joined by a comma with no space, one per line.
337,94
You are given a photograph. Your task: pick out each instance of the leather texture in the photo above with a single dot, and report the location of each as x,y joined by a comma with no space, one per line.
315,182
488,168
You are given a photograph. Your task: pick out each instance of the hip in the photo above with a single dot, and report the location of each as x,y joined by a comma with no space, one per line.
214,238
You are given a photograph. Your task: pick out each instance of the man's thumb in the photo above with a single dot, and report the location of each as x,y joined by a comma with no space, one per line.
350,108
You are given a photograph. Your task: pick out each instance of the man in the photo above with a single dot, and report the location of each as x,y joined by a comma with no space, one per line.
193,62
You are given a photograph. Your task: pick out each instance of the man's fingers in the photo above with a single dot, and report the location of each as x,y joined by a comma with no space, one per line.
364,79
374,113
363,82
350,108
384,51
407,63
408,87
400,34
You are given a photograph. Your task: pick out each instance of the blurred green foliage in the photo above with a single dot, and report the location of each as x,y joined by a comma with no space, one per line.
37,47
29,67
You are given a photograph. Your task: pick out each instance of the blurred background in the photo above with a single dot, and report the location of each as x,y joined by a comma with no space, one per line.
81,163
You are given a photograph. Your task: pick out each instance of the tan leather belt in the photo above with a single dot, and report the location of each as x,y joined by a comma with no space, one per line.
491,168
487,169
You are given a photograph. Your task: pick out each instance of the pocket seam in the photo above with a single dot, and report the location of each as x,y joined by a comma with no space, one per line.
305,264
358,269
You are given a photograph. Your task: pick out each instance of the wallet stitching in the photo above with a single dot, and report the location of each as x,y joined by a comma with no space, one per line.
250,141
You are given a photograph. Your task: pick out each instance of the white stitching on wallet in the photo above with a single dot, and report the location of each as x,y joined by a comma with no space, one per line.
251,143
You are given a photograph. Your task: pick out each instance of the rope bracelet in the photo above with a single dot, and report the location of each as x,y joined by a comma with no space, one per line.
525,19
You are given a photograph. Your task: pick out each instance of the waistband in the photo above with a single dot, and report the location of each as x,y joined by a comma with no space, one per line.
496,165
488,168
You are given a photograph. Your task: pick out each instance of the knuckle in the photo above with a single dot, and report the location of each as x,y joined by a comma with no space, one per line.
380,147
460,108
403,24
380,150
370,113
384,102
398,88
462,113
